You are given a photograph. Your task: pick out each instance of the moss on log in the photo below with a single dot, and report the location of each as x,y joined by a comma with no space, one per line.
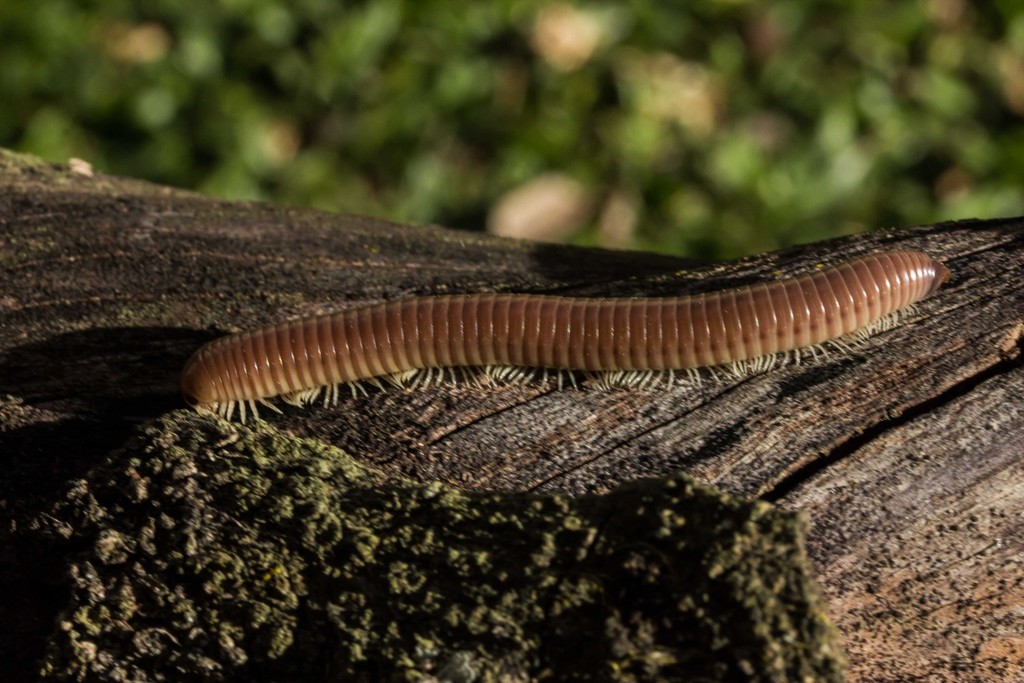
229,554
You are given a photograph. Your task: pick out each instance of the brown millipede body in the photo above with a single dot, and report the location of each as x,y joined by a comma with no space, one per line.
631,341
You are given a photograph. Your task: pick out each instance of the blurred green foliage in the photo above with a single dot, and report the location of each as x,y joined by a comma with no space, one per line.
722,127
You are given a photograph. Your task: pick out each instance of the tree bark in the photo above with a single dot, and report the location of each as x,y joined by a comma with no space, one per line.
904,454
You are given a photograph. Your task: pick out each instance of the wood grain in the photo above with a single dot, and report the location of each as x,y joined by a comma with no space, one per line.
917,537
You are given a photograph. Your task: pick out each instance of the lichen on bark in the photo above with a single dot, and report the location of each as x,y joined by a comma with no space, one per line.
229,553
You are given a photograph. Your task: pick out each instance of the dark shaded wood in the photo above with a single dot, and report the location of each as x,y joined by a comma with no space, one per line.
108,285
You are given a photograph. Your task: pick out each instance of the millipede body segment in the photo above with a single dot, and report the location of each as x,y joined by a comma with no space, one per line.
298,358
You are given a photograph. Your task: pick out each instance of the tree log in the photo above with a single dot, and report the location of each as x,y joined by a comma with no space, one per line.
904,454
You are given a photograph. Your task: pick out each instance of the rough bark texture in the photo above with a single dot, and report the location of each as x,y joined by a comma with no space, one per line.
905,455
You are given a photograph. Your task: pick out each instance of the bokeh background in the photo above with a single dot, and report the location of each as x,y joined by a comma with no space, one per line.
704,128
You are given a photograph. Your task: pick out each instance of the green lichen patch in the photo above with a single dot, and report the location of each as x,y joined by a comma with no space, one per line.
20,171
14,162
224,554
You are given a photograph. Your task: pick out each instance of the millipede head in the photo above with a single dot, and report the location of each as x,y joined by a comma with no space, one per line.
196,384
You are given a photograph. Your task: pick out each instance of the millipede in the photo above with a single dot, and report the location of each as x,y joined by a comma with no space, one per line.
619,341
